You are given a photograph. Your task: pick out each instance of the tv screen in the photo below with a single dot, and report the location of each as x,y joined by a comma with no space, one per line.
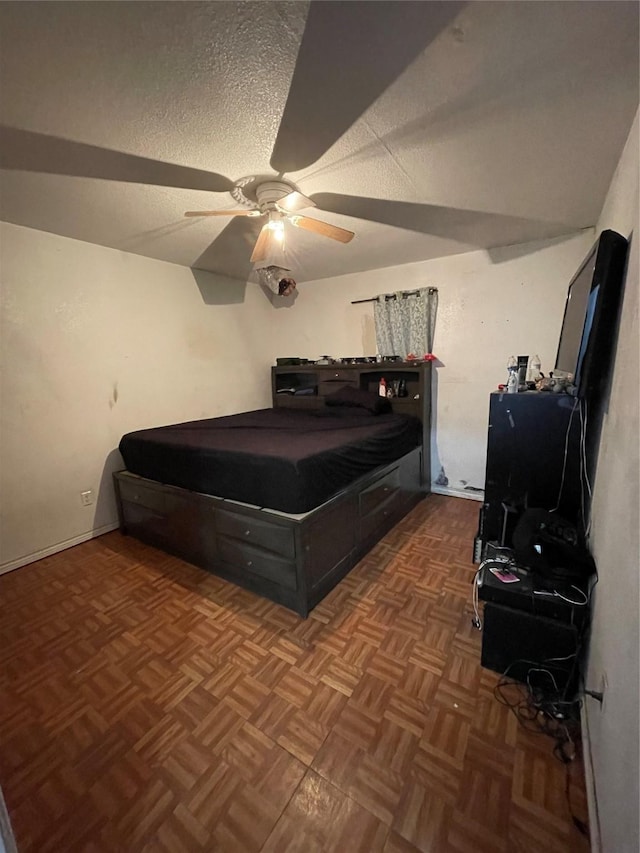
591,315
571,339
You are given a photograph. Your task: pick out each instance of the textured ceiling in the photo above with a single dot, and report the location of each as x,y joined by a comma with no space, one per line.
427,128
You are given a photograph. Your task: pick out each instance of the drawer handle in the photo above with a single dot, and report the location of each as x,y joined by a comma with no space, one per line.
247,533
249,563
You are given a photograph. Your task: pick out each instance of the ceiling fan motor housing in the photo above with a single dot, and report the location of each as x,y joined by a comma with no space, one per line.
270,193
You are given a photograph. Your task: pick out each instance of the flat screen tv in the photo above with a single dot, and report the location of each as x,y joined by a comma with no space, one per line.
590,318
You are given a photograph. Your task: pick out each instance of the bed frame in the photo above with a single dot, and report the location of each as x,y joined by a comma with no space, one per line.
293,560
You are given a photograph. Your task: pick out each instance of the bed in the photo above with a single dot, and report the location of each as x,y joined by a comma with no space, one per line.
280,501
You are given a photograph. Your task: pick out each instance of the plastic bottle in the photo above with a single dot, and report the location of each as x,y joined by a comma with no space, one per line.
382,387
512,365
534,368
512,384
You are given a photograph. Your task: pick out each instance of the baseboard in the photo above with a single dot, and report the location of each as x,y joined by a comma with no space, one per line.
590,784
54,549
457,493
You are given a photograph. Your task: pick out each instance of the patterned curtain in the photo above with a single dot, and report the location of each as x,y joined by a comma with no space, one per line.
406,323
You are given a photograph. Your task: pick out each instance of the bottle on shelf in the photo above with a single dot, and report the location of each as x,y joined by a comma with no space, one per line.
512,383
382,387
534,368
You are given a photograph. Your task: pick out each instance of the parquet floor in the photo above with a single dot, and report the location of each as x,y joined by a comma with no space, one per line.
148,706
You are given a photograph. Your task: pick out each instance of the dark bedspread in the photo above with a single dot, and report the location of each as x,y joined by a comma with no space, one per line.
284,459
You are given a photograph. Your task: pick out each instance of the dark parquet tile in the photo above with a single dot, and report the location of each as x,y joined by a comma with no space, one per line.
149,706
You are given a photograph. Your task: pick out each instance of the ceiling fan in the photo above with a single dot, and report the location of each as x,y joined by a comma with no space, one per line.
371,46
280,203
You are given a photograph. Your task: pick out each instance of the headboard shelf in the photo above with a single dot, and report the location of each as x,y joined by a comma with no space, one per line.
306,386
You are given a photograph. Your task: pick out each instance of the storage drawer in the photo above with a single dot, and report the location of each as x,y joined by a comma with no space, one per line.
145,523
137,492
263,534
379,492
258,562
372,523
343,374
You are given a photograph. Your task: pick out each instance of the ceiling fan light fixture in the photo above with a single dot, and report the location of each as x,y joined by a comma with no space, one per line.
270,246
276,227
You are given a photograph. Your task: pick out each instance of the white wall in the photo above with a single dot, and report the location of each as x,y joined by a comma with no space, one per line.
96,343
491,305
615,641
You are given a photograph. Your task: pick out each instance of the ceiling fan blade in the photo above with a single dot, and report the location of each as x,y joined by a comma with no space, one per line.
295,201
475,227
323,228
223,213
27,151
350,53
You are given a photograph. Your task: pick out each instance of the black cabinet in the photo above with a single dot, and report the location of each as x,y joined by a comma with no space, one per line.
533,460
532,649
534,457
526,628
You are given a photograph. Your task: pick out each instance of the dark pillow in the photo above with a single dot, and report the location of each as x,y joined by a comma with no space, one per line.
358,398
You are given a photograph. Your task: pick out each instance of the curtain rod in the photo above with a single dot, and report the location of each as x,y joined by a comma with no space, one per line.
393,296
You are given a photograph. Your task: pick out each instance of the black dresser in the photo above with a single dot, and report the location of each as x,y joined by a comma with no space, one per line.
533,461
529,436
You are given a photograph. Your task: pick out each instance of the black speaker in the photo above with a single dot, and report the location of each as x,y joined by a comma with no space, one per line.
516,643
548,545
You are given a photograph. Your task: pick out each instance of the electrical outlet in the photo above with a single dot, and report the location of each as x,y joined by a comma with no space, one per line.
86,498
